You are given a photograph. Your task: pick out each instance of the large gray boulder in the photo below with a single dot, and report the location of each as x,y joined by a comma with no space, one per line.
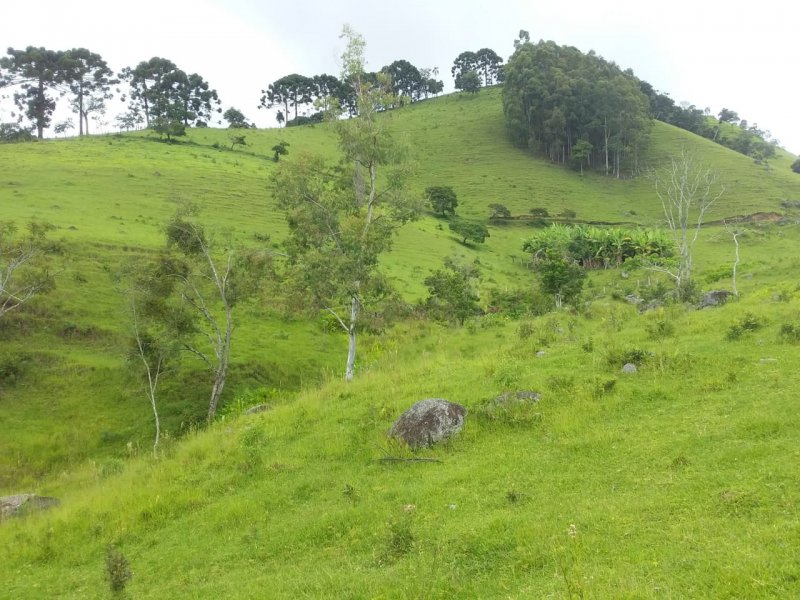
19,504
429,421
714,298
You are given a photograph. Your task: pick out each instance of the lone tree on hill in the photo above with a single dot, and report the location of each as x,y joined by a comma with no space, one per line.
235,119
469,230
687,190
342,218
442,199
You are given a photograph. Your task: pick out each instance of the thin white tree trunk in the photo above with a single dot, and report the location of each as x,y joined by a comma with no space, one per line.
351,338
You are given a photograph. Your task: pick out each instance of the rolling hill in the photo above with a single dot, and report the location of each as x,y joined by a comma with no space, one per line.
678,481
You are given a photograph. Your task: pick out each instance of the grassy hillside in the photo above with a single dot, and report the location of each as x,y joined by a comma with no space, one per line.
676,481
673,482
109,196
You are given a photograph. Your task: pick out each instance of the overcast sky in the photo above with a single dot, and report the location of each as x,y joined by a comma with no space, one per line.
712,53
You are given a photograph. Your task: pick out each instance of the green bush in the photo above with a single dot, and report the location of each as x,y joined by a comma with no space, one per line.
118,569
746,323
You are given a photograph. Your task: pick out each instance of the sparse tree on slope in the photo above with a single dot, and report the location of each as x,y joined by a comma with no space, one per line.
341,219
23,272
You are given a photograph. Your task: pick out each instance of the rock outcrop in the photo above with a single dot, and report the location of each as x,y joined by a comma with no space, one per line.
429,421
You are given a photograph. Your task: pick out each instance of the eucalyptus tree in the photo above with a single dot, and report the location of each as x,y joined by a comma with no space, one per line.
342,217
555,97
191,291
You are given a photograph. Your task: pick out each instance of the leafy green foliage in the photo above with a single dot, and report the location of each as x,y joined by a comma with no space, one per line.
341,219
452,293
169,97
12,133
469,230
747,323
469,82
235,119
499,211
598,247
442,199
554,97
118,569
24,271
279,149
562,279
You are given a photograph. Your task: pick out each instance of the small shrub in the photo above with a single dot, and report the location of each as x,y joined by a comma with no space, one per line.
746,323
790,332
616,357
540,213
568,213
525,331
514,497
603,387
12,368
401,538
118,569
659,326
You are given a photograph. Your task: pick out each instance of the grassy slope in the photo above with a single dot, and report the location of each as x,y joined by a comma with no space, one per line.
674,482
269,491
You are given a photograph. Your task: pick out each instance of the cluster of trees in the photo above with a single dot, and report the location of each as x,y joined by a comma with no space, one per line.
577,109
471,70
38,77
443,201
297,94
167,98
726,128
162,96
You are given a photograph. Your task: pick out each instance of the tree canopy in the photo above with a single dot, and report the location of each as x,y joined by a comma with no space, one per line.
555,96
169,98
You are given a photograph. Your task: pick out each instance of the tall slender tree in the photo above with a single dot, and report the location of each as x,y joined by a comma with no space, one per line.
342,218
89,80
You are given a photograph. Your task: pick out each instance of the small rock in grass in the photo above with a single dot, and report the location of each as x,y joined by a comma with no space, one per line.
20,504
520,396
629,368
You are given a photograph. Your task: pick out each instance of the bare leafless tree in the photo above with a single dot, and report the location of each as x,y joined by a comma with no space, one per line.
687,190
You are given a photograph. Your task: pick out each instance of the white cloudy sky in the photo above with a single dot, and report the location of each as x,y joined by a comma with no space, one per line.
713,53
